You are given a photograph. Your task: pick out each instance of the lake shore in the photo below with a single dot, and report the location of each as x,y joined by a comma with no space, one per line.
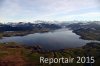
22,33
88,34
62,38
15,54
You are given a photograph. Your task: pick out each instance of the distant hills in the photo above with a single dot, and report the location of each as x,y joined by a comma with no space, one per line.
27,26
91,25
21,26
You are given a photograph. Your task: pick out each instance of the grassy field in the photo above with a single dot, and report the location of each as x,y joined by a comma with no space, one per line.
12,54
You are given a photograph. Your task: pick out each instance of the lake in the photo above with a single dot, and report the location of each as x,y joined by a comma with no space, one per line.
54,40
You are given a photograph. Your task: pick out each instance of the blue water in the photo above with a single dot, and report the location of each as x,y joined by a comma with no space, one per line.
58,39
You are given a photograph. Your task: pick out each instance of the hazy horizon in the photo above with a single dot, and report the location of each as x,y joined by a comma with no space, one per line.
49,10
52,22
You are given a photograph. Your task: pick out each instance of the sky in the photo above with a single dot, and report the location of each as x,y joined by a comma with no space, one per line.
49,10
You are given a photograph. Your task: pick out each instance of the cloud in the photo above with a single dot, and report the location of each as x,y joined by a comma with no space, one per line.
85,16
48,9
1,2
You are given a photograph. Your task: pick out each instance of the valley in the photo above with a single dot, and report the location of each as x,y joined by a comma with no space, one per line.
16,54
